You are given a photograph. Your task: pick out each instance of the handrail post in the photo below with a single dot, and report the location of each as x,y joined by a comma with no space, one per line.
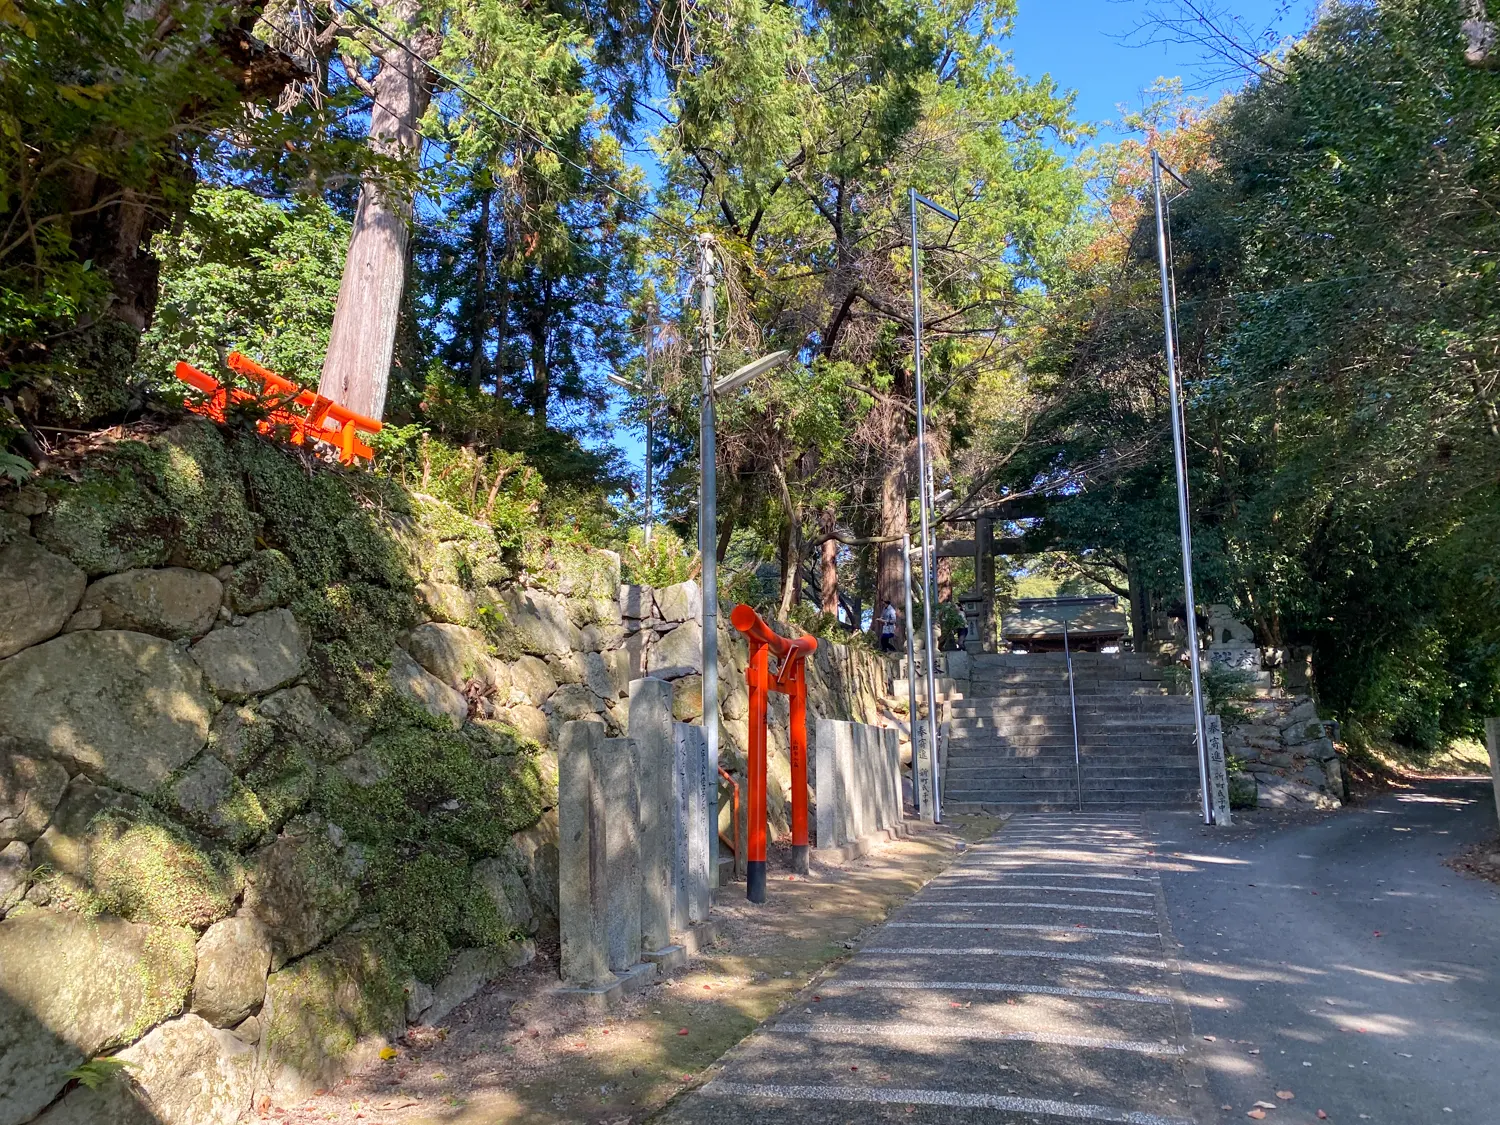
1073,705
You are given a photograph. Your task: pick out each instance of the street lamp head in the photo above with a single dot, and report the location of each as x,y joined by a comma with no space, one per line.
743,375
918,197
621,381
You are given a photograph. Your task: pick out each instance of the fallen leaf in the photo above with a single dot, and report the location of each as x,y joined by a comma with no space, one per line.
682,1031
1322,1116
1211,1038
1265,1105
389,1053
1258,1114
1285,1095
1255,1051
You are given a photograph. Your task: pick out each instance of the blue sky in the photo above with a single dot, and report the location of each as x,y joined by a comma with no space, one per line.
1086,46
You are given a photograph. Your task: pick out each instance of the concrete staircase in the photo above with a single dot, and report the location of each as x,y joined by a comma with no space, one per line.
1011,741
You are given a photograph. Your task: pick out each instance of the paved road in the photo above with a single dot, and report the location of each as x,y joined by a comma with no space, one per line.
1341,961
1031,982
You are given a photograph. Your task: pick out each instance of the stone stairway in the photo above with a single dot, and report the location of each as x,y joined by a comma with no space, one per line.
1011,741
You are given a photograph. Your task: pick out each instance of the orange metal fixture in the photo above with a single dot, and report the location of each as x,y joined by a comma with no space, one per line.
322,419
790,679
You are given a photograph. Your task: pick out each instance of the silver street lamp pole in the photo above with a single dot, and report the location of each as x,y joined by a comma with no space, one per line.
911,682
708,494
1179,457
708,510
926,752
650,420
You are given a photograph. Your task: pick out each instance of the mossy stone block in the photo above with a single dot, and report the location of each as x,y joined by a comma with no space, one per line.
77,986
264,581
331,1013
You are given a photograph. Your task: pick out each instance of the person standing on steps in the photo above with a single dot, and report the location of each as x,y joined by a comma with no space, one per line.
888,628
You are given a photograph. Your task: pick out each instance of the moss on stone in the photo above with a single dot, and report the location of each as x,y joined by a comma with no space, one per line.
365,617
579,571
282,782
207,797
323,1006
354,686
176,498
202,486
328,522
265,580
432,904
469,789
108,520
146,871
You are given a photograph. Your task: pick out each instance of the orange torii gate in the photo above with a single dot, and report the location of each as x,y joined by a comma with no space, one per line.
322,420
791,680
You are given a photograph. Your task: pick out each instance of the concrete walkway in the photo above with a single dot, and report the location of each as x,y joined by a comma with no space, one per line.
1338,959
1033,981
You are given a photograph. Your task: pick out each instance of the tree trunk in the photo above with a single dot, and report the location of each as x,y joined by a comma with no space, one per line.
357,368
791,568
944,578
481,327
828,576
541,376
1140,607
890,573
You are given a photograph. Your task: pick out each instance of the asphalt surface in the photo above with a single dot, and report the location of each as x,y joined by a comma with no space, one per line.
1337,959
1033,981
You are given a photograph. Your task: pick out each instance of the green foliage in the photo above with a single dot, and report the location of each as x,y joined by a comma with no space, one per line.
248,275
108,115
666,561
1338,333
96,1072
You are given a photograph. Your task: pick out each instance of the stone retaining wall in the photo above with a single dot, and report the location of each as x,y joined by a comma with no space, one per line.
1289,757
278,767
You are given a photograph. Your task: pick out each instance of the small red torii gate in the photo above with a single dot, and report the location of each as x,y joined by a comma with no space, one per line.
791,680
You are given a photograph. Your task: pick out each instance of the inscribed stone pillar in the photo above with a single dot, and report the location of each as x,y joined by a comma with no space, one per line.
617,775
891,801
1218,771
694,892
582,875
650,726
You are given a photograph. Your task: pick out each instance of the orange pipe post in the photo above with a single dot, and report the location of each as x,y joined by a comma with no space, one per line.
800,852
758,676
790,680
